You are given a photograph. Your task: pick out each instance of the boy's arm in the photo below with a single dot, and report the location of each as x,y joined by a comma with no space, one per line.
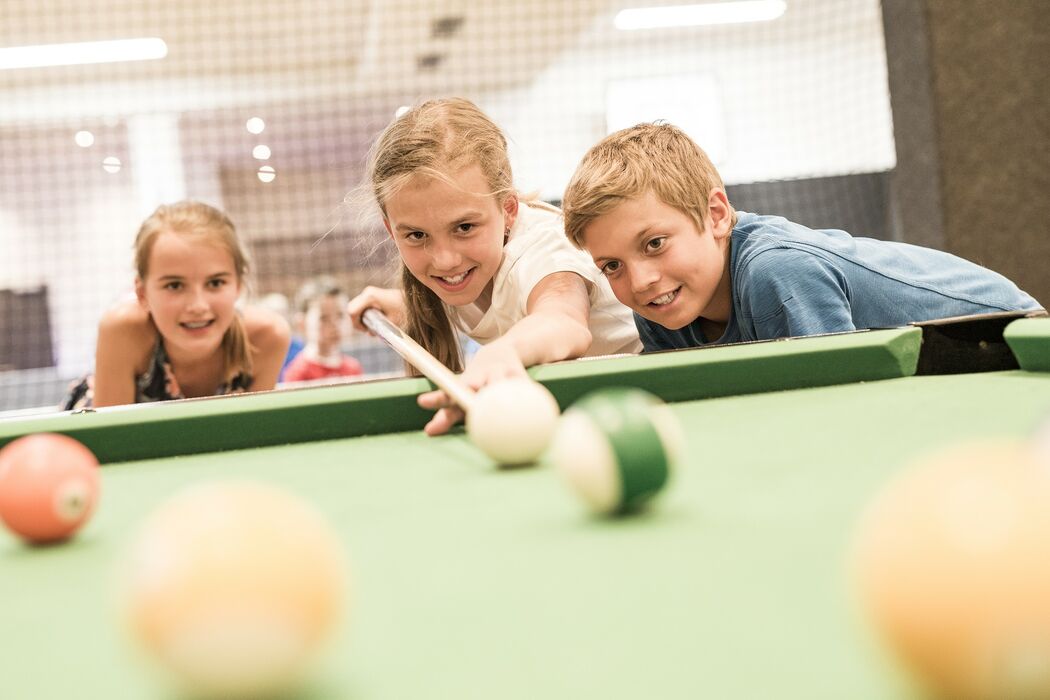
792,293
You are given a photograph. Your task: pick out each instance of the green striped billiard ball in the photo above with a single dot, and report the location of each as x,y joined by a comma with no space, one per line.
616,448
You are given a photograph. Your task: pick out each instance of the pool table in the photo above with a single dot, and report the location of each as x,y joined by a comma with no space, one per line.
471,581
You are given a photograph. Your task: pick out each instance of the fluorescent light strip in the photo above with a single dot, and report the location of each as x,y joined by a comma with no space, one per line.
83,52
693,15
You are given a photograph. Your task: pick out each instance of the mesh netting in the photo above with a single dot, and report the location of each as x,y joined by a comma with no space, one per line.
795,111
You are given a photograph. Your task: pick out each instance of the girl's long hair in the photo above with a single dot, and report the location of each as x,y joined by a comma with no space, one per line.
437,139
189,218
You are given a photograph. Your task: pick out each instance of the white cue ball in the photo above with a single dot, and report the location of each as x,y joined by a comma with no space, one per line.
513,420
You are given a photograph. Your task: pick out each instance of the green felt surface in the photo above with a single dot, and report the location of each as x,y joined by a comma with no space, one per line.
471,582
1029,340
369,408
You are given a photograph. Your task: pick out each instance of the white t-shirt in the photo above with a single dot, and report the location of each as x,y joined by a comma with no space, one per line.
538,247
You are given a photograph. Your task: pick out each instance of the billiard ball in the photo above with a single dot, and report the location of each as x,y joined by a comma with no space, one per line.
616,448
952,564
232,586
1041,440
48,486
512,420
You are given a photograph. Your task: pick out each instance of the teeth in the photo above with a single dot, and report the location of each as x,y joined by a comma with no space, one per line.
665,299
199,324
455,280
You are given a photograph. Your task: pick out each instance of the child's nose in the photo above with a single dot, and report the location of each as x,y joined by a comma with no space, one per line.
197,301
643,276
445,257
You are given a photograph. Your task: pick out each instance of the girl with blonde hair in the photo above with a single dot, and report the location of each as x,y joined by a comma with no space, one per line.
479,258
182,335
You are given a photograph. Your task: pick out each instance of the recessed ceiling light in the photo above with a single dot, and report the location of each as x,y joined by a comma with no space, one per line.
255,125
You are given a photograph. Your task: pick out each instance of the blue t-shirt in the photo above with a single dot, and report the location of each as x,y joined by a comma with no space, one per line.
789,280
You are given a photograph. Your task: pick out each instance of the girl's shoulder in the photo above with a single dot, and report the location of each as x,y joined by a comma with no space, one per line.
127,336
130,322
266,329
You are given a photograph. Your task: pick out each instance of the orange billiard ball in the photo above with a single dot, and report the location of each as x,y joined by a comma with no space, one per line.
952,563
233,586
48,486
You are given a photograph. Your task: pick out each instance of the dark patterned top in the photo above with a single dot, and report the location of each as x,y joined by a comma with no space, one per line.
158,383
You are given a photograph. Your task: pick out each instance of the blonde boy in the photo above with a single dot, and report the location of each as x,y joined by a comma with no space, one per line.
651,209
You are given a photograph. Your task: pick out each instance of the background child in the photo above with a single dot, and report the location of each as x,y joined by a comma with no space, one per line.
320,316
479,259
182,335
650,208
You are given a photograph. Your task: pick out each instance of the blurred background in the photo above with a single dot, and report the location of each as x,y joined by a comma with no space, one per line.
913,120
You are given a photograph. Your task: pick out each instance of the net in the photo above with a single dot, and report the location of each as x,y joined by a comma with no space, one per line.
266,109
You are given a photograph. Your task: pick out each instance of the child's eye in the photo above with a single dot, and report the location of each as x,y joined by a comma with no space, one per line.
610,267
415,236
464,228
173,286
216,283
655,243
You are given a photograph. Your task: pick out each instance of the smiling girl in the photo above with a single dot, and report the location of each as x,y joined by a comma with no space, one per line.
182,335
480,259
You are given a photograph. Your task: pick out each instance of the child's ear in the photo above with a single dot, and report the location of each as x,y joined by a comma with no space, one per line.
140,292
510,209
720,213
386,225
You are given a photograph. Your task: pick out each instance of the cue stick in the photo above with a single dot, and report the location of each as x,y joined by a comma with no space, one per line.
416,355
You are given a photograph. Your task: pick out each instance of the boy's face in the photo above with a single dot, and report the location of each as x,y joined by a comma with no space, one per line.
324,323
660,264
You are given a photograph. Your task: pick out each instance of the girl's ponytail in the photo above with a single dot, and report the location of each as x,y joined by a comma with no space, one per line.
428,324
237,350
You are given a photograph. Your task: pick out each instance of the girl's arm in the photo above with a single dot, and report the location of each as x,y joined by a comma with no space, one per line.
269,336
125,337
556,327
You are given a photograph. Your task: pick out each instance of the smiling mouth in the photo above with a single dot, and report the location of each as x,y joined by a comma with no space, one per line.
664,299
196,325
454,283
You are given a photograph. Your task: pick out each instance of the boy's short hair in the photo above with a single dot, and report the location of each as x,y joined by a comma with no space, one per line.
314,289
657,158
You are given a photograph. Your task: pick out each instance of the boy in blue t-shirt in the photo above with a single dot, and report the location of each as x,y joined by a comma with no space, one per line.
650,208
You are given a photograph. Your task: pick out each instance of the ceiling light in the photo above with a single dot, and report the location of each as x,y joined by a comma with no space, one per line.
82,52
255,125
695,15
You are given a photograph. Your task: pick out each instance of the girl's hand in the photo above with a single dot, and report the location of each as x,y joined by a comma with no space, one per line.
493,362
390,301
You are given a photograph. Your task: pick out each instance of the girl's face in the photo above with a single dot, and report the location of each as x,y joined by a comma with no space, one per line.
190,290
449,238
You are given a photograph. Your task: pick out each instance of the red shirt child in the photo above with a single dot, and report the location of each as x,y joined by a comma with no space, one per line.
322,320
